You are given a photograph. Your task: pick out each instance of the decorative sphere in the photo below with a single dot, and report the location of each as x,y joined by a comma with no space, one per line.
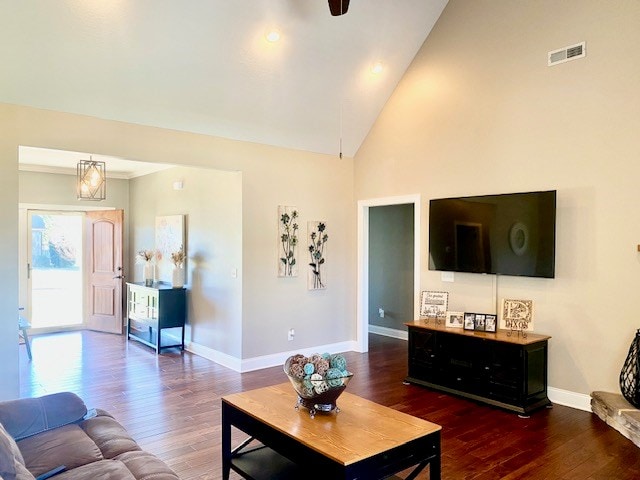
334,377
316,379
297,358
322,366
296,370
307,389
339,362
321,388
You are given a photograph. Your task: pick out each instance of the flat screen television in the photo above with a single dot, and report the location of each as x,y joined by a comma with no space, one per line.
508,234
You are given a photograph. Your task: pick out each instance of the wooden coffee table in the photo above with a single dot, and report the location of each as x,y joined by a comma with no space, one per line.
363,441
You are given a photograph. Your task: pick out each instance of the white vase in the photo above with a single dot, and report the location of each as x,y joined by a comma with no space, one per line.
149,274
177,279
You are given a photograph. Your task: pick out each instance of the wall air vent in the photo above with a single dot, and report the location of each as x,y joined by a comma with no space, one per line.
572,52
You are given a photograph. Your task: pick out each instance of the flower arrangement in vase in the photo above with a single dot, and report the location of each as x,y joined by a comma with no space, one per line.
147,257
178,258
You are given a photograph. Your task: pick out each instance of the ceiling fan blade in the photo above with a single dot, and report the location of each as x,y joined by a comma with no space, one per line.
338,7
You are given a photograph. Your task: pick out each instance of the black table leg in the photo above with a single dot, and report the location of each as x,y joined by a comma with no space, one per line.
226,443
434,464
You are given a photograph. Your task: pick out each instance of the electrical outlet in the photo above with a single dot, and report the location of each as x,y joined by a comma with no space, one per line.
291,334
447,277
381,312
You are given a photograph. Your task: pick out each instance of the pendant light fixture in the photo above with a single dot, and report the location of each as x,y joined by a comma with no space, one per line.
340,129
91,180
338,7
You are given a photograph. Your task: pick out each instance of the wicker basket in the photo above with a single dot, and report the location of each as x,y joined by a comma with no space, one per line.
630,374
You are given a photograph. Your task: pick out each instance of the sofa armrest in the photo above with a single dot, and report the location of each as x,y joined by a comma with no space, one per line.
28,416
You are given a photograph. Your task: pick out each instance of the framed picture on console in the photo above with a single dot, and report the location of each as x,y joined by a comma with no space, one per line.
490,322
517,315
433,304
469,321
454,320
479,322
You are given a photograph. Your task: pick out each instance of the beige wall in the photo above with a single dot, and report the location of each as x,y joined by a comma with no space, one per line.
321,186
480,112
211,202
60,189
322,190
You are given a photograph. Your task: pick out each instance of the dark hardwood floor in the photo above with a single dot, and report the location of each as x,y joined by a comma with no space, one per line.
171,405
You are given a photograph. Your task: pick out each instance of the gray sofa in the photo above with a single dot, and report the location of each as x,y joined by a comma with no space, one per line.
56,436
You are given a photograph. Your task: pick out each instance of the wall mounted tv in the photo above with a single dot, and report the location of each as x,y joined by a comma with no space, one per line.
508,234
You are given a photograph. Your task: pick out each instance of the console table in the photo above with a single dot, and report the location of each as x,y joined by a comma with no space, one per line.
363,440
504,370
153,309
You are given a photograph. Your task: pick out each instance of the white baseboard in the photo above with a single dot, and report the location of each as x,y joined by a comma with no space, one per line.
389,332
265,361
220,358
558,396
579,401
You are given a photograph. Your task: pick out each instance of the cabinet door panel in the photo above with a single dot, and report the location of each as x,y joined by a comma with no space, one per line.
153,305
504,379
422,361
462,362
139,311
536,370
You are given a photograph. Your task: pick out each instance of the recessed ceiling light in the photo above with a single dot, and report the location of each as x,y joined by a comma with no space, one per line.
272,35
377,68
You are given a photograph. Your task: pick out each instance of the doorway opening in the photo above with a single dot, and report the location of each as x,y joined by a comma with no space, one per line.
364,206
55,269
391,278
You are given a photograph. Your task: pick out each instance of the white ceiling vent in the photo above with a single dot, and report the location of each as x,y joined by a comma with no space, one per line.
572,52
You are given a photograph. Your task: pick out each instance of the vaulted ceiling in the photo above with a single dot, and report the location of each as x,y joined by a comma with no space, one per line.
205,66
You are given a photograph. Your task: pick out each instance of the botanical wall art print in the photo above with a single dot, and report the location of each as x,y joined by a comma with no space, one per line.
287,241
169,239
316,243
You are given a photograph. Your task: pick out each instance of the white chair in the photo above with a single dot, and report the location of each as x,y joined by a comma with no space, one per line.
23,326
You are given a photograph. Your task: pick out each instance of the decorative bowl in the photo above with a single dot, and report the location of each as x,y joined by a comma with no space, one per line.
317,387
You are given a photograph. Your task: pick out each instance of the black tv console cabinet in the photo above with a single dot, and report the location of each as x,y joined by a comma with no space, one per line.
506,371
